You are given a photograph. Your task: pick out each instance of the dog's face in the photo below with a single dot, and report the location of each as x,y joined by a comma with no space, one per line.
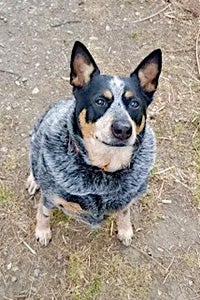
111,109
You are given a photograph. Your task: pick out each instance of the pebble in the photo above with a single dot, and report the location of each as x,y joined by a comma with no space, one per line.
36,273
93,38
35,91
70,32
17,82
4,150
108,28
190,282
13,279
9,266
165,201
24,79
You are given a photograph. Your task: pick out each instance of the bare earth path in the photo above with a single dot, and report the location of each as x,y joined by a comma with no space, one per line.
36,38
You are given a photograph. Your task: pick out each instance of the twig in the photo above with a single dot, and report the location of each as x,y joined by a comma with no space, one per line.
64,23
153,15
164,171
161,189
197,53
168,270
164,138
180,50
9,72
150,257
183,184
65,57
111,227
29,247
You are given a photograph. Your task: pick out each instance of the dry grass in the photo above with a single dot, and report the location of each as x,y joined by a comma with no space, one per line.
196,145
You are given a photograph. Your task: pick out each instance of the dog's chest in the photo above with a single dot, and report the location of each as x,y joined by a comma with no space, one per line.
109,159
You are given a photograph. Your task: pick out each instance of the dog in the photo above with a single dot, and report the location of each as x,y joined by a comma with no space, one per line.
91,155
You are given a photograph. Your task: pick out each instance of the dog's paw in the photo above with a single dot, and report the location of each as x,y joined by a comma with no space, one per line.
125,236
31,185
43,236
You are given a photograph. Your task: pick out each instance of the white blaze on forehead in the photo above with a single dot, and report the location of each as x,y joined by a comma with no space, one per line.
117,88
117,83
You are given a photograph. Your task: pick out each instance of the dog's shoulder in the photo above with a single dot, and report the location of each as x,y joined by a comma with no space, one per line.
55,115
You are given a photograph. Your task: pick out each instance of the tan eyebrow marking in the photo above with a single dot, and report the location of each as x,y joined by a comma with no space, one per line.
107,94
128,94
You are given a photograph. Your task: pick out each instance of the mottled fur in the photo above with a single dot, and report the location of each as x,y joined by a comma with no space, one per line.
83,170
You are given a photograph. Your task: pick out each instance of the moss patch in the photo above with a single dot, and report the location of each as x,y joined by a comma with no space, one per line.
58,216
6,195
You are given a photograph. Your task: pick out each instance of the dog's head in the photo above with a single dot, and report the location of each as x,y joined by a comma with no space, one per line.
112,109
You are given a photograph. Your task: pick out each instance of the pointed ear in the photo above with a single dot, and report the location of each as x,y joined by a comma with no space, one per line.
148,72
82,65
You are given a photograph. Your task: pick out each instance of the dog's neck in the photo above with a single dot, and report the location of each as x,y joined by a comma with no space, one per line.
109,159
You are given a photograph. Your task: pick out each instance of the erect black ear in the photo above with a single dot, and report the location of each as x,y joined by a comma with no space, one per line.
82,65
148,72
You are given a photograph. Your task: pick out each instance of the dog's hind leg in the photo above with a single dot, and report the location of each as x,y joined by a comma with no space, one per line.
43,230
31,184
125,230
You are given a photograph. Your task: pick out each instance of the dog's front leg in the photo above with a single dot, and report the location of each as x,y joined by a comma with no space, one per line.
43,230
125,230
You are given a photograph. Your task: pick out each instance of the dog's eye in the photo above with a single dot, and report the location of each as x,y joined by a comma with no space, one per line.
134,104
100,101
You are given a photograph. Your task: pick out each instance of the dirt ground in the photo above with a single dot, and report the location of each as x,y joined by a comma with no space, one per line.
163,262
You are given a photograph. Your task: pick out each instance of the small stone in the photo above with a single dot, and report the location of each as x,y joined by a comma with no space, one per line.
15,269
35,91
33,289
4,150
137,13
24,79
93,38
190,282
108,28
13,279
165,201
160,249
59,256
9,266
17,82
36,273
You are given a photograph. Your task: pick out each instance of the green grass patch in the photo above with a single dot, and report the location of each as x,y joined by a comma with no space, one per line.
10,162
58,216
91,291
76,268
6,195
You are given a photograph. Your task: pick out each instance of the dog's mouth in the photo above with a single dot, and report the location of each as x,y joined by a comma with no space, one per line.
116,144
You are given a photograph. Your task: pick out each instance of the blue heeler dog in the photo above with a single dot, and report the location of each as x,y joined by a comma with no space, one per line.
91,155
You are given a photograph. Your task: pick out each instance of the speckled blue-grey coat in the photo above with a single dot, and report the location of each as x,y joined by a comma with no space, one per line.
60,166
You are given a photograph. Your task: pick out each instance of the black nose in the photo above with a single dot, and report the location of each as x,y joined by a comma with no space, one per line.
121,129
